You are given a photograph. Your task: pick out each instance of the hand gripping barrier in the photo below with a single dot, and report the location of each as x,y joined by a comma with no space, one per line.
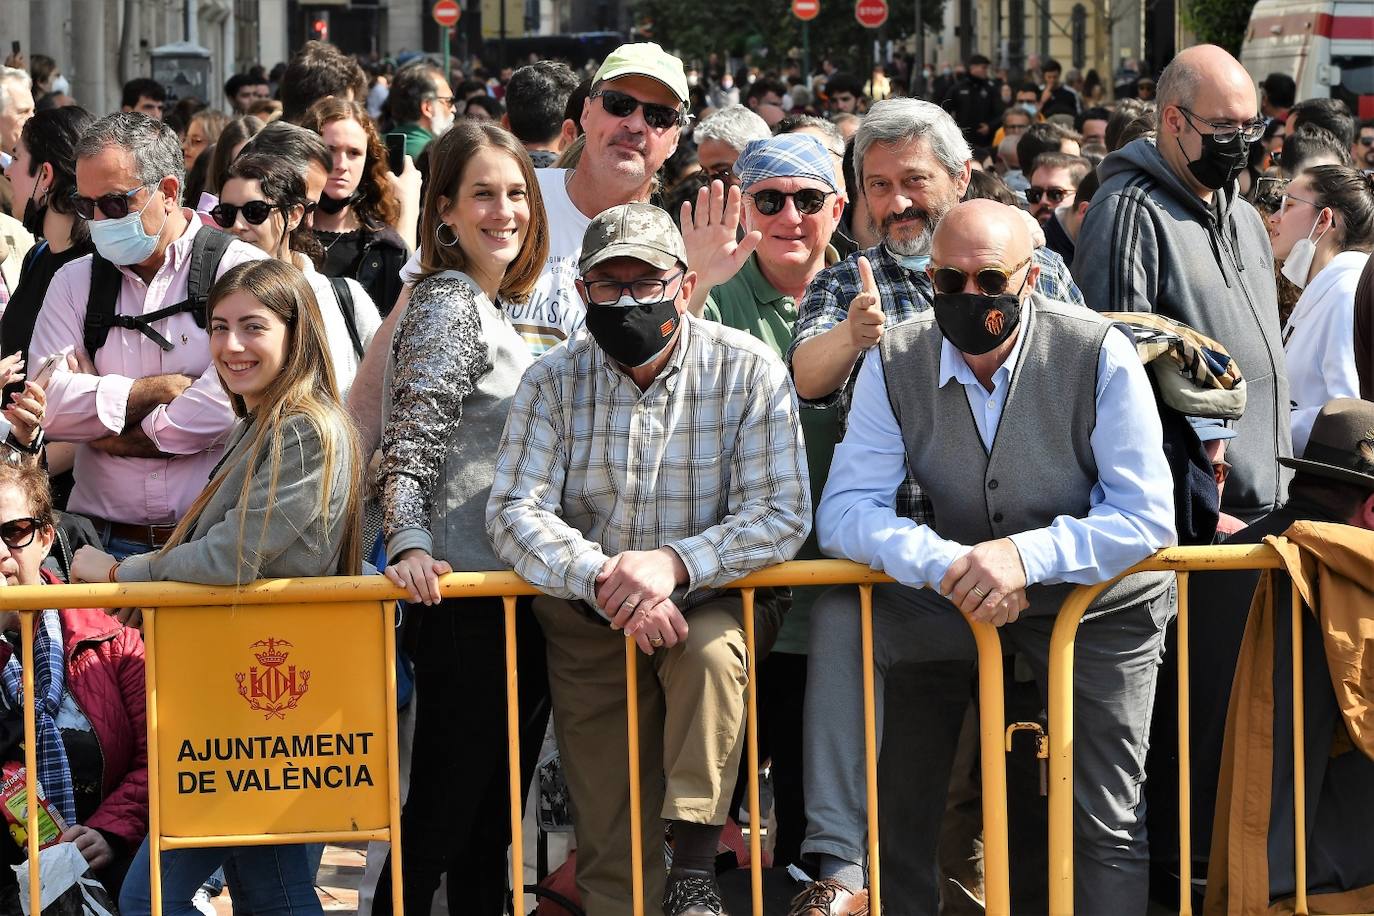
341,591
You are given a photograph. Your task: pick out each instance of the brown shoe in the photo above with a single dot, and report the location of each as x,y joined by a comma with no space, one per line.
829,898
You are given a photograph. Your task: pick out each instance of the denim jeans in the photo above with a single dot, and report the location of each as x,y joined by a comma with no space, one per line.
123,548
265,880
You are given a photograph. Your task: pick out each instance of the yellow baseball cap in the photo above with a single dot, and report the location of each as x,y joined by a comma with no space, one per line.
644,58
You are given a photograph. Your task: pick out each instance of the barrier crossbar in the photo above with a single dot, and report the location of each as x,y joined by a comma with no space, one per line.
28,600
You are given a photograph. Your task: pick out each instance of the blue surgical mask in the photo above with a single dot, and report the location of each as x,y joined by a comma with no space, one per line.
1030,108
916,262
124,241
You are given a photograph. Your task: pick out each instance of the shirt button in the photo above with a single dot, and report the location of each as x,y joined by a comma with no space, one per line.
997,516
991,404
992,484
154,476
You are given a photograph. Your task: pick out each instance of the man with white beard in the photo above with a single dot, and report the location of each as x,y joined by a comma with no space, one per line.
913,166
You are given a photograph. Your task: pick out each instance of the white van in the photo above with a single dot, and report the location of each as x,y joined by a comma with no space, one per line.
1327,47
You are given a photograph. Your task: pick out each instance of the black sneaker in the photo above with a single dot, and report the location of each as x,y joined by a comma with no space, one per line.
692,893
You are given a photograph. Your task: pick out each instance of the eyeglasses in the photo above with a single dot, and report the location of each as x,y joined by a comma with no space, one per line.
1056,195
1224,131
19,532
808,200
723,173
114,206
993,281
620,105
643,292
1283,202
446,99
255,212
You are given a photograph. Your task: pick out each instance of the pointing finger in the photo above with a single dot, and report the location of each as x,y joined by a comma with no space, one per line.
866,280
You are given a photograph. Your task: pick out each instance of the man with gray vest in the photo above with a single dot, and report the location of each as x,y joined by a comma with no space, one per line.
1032,426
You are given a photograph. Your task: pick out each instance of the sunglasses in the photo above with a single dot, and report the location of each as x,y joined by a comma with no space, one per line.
643,292
724,173
993,281
1056,195
19,532
620,105
114,206
255,212
1366,140
808,200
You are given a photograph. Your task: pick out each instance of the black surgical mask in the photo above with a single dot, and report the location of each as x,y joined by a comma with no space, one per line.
330,205
975,323
633,334
1219,163
34,214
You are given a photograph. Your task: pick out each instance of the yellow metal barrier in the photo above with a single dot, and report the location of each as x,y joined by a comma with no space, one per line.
29,599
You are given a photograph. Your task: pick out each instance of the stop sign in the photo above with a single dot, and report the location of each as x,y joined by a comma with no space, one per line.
806,9
446,13
871,13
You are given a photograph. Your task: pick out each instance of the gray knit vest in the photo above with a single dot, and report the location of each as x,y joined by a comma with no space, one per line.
1041,463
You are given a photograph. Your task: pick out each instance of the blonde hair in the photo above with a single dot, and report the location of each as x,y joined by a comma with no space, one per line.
305,387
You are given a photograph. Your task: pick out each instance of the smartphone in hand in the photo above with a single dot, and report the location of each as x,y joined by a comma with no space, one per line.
396,152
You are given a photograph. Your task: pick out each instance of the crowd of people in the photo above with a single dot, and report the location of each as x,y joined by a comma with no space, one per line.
639,331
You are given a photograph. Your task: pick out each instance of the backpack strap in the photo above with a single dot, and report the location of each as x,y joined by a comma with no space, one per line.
344,296
207,250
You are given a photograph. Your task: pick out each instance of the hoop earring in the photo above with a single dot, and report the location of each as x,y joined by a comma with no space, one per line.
439,235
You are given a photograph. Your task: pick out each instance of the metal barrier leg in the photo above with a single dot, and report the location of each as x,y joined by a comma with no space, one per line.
26,622
393,764
1061,746
752,743
1299,764
154,764
1185,787
991,722
632,743
517,844
875,900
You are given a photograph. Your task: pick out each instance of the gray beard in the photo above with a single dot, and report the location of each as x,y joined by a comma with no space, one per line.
908,248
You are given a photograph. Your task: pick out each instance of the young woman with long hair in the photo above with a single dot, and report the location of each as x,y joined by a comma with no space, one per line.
360,216
455,364
284,503
263,202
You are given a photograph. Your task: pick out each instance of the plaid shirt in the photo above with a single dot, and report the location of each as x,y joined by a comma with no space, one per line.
903,294
709,461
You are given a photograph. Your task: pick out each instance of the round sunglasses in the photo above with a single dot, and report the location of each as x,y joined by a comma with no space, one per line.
993,281
1056,195
620,105
255,213
18,533
808,200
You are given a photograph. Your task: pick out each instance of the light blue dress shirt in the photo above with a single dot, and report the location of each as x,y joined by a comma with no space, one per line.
1131,510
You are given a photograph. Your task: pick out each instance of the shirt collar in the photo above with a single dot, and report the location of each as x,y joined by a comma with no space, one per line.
953,366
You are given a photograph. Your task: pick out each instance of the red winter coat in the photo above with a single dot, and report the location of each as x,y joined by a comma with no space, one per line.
105,676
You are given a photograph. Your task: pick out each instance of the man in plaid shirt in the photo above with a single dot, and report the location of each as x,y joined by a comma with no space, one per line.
645,464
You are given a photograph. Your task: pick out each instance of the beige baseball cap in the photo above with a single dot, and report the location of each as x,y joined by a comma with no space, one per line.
640,231
644,58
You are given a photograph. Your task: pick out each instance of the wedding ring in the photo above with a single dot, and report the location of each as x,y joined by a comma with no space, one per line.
980,593
655,641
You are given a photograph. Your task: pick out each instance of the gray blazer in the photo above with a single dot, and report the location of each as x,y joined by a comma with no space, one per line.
292,541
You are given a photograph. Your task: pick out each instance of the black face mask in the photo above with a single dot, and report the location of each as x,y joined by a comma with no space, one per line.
1219,163
329,205
974,323
633,335
34,213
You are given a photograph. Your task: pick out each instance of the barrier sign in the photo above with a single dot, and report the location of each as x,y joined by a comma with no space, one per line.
269,719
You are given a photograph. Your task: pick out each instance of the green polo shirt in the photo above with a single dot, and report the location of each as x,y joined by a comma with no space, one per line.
747,301
417,138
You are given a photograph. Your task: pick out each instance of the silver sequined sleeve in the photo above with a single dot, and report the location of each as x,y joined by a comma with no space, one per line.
438,356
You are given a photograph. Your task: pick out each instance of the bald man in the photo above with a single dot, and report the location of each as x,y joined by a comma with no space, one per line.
1168,232
1029,502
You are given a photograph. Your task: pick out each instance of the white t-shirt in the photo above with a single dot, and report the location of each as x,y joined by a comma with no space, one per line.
366,319
554,310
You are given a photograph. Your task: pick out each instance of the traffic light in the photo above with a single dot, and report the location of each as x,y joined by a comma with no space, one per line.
319,26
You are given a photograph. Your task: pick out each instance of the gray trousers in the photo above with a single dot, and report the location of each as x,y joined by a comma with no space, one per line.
1116,664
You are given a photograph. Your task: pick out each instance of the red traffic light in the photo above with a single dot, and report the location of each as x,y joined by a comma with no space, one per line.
319,29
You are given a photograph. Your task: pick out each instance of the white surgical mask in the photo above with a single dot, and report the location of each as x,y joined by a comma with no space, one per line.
1298,264
60,85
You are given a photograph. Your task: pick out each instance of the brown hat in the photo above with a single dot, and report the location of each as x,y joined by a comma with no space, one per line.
1341,445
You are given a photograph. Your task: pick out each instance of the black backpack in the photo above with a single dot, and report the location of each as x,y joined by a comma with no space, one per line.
207,250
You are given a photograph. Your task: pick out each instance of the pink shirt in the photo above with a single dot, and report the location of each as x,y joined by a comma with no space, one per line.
81,408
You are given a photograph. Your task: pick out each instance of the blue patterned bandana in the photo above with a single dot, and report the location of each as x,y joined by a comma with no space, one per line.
785,156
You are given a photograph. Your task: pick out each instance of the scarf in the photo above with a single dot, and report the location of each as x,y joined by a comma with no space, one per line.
54,772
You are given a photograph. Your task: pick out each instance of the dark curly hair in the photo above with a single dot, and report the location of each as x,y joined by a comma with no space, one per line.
377,205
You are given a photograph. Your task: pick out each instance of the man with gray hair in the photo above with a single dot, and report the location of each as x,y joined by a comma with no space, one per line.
16,106
722,136
134,384
1169,232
